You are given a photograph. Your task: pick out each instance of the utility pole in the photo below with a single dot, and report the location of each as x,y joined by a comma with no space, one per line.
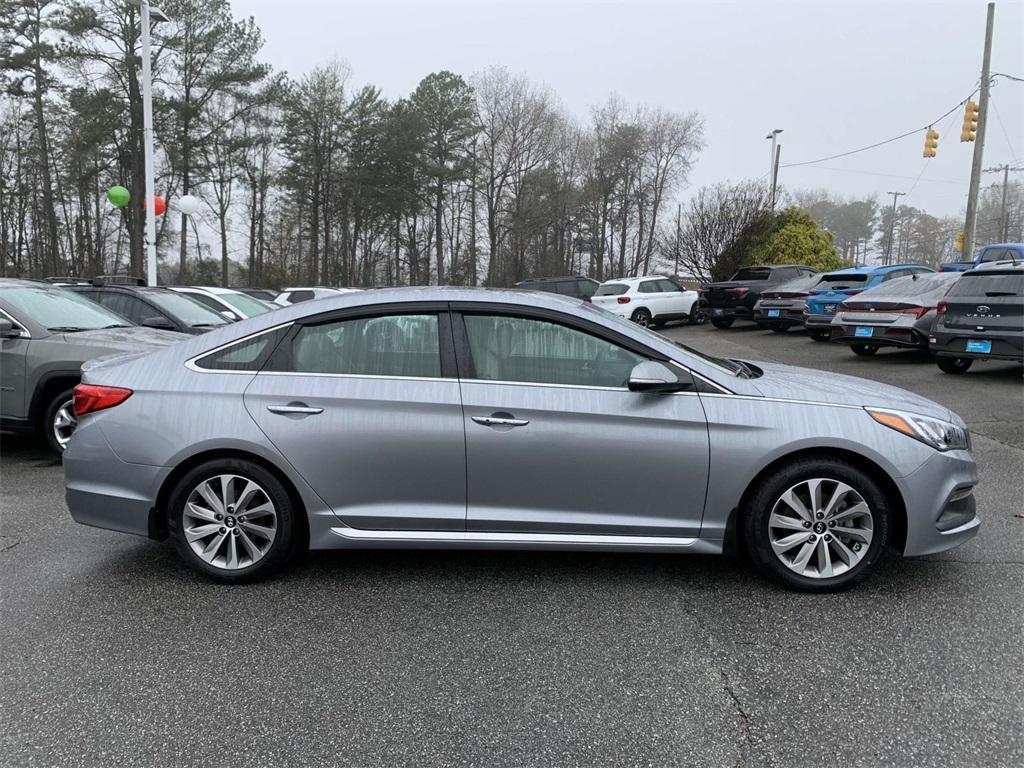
773,163
892,227
1004,218
679,237
979,143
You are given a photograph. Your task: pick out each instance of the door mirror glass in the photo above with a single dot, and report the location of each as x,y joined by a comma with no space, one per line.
652,376
6,328
158,322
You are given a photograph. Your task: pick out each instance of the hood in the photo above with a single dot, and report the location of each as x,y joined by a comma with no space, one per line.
130,339
792,383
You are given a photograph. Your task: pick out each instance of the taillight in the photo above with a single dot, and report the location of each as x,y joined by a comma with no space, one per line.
917,312
737,291
855,291
623,299
89,398
940,309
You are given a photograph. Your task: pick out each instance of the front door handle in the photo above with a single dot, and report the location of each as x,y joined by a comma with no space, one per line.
294,408
500,421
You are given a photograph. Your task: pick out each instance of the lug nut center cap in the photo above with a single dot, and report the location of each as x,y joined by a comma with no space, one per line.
819,527
229,521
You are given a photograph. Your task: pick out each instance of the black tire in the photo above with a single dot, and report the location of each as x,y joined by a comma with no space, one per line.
286,543
758,510
721,322
642,317
48,426
779,328
820,335
864,350
697,314
954,364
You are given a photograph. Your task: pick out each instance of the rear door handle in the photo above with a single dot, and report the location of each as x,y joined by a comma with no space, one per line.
297,408
498,421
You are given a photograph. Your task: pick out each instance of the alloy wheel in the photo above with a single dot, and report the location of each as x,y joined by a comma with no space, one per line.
64,423
820,528
229,521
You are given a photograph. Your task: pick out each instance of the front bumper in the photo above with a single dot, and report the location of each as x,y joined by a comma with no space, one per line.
940,503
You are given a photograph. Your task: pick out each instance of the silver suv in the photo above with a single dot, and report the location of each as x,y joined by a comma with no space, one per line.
46,333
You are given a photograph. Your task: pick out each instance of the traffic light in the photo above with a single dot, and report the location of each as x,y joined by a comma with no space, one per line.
960,241
970,125
931,142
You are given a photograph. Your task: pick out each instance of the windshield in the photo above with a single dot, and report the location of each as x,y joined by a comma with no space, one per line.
612,289
753,273
722,364
247,305
189,312
839,282
60,310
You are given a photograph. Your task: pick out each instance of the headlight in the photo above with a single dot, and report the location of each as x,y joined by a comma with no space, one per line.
940,435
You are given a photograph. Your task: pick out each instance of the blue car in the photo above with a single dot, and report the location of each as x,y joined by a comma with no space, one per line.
836,287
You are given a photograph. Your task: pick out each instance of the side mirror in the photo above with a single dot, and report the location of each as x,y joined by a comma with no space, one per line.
652,376
230,315
158,322
6,329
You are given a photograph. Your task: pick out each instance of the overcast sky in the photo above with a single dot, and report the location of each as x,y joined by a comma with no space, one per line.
834,76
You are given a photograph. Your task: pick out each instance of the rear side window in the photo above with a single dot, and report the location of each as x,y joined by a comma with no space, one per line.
389,345
248,355
611,289
567,288
989,285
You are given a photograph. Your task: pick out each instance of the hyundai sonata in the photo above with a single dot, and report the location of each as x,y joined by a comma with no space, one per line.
444,417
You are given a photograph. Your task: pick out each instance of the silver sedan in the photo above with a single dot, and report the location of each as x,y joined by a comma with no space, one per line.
462,418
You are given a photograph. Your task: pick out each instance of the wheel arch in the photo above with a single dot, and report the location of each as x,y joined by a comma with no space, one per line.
158,515
733,543
47,387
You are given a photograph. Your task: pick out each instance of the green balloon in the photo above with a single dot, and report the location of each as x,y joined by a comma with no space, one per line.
118,196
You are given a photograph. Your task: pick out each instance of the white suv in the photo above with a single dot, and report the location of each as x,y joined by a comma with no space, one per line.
649,301
234,305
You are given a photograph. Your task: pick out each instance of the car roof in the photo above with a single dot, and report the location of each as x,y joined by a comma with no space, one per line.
18,282
552,279
876,269
634,280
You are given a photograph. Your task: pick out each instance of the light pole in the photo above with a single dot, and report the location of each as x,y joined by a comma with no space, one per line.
148,14
892,225
773,159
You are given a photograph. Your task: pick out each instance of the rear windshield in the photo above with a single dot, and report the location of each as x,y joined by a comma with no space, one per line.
753,273
612,289
989,285
838,282
937,283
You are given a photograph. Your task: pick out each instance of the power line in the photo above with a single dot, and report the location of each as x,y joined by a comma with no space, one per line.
1006,135
1008,77
943,116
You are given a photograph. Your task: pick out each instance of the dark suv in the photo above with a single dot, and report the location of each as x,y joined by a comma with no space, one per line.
981,318
577,286
734,299
151,306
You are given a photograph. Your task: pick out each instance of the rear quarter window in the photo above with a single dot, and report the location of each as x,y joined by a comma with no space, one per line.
248,355
611,289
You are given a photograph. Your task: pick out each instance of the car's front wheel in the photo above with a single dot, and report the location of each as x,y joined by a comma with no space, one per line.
233,521
817,525
59,422
697,315
864,350
954,364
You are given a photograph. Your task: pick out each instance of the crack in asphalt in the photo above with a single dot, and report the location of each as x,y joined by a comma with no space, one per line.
745,741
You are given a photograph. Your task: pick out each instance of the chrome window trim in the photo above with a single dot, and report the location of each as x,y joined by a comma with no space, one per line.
25,332
191,363
386,377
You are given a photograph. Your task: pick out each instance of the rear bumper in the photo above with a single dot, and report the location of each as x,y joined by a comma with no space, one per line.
818,322
729,313
882,336
940,503
105,492
1005,346
786,316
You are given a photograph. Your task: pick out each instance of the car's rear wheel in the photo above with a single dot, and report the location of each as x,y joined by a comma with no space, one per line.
721,322
642,317
820,335
954,364
233,521
817,525
59,422
697,315
864,350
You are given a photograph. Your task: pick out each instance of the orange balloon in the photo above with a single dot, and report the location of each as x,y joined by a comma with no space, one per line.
159,205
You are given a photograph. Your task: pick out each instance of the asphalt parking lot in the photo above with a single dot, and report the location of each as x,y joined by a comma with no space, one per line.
114,654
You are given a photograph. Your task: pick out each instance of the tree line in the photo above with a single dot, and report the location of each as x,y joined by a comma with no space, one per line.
312,179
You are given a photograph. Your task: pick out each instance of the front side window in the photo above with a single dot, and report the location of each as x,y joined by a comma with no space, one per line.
523,349
995,254
390,345
753,273
648,286
667,286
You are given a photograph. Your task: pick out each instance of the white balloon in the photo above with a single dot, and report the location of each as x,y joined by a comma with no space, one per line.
188,204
